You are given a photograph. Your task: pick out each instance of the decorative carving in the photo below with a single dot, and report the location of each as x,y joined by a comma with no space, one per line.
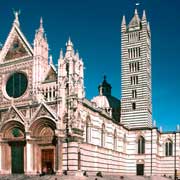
43,112
46,132
24,112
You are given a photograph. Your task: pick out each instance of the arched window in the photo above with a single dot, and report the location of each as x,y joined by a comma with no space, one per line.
115,139
124,143
169,148
103,135
141,145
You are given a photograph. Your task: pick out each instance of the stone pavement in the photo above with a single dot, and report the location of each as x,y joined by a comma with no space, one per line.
53,177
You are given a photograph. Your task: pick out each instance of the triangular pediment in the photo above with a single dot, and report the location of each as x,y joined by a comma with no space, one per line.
44,111
16,46
13,113
51,75
16,50
135,22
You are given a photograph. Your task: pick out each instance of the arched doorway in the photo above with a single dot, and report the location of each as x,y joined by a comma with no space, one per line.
13,136
43,133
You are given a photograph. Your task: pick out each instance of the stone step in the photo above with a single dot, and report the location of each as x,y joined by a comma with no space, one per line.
54,177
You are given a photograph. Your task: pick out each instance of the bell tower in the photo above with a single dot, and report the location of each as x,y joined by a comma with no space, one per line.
136,105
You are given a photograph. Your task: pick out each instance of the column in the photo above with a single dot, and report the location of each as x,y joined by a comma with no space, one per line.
0,157
59,156
29,158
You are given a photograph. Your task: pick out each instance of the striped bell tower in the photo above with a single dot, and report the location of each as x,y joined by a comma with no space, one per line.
136,105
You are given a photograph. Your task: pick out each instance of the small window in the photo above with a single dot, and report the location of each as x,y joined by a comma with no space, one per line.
138,66
134,94
169,148
136,80
131,80
133,105
141,145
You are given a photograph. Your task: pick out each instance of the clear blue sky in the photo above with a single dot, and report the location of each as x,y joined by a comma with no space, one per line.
94,27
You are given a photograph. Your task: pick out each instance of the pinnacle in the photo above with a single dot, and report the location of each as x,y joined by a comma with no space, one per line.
69,43
61,54
50,59
123,20
41,22
144,14
136,12
41,25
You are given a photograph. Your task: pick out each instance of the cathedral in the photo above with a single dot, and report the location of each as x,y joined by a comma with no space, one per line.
47,125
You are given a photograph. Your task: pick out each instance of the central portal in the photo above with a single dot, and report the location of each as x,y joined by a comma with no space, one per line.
47,156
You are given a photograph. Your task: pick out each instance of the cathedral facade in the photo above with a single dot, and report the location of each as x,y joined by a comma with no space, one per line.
47,125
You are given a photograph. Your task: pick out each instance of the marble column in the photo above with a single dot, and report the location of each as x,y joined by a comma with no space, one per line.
59,155
0,157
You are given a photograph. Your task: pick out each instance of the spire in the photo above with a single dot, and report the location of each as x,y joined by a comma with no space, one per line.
123,24
69,45
123,20
41,29
135,12
144,15
77,54
16,15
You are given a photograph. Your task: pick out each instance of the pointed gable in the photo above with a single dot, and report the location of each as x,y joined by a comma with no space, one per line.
13,113
51,75
135,21
44,110
16,45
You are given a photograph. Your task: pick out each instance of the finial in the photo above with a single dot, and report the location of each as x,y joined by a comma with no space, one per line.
16,14
104,77
160,129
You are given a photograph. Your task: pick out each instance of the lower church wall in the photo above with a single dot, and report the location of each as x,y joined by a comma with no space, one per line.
93,159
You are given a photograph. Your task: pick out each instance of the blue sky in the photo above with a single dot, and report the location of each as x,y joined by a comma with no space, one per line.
94,27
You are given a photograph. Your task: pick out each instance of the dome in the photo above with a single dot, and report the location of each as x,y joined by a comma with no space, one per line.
101,101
